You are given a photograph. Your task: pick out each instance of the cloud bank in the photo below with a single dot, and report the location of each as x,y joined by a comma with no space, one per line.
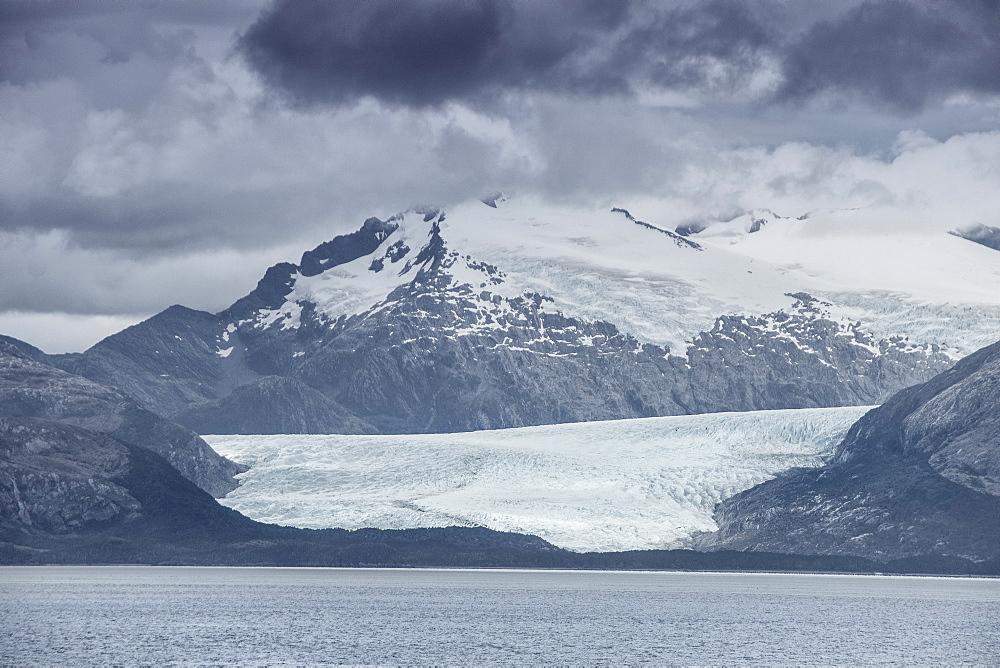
156,153
903,55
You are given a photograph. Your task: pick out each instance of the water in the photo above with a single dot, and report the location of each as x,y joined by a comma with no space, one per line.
157,615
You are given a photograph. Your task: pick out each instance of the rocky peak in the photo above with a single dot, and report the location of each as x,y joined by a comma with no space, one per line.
980,234
15,347
678,238
346,247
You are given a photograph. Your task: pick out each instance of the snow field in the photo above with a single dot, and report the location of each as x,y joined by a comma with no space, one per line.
598,265
595,486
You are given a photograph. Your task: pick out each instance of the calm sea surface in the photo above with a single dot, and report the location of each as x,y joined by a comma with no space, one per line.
156,615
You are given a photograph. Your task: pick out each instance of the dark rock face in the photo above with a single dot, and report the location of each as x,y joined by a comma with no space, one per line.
71,495
448,349
56,478
26,349
273,405
32,389
406,370
801,358
981,234
346,248
918,475
270,291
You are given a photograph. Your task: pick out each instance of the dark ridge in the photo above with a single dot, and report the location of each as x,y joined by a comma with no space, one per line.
347,247
24,348
880,428
175,320
431,255
270,292
678,239
30,389
980,234
163,363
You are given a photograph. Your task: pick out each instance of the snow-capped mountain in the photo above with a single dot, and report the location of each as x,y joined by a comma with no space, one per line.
647,483
511,313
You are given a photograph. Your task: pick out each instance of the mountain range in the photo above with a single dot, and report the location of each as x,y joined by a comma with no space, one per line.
502,314
505,315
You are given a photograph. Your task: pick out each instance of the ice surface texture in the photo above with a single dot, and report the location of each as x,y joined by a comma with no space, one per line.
599,486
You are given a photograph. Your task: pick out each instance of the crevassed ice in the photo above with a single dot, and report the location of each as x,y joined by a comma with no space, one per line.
617,485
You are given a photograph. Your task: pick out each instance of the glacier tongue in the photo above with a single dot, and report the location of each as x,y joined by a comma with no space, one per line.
599,486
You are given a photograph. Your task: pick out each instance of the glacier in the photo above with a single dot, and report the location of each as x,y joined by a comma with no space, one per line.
647,483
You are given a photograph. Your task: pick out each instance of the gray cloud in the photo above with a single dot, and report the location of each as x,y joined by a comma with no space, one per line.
427,52
19,15
900,54
716,45
118,53
424,52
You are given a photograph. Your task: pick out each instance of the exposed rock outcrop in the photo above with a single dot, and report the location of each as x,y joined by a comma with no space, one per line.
918,475
31,389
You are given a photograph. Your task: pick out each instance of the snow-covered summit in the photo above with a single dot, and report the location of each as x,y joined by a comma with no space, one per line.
732,229
515,312
616,266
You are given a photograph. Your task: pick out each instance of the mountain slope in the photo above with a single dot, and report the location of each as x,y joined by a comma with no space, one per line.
273,405
31,389
919,474
514,315
981,234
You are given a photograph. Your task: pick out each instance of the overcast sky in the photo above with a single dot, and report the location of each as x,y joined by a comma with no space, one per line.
154,153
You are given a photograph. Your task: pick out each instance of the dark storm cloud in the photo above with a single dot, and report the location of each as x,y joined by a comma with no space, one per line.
900,54
895,54
422,52
426,52
713,44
